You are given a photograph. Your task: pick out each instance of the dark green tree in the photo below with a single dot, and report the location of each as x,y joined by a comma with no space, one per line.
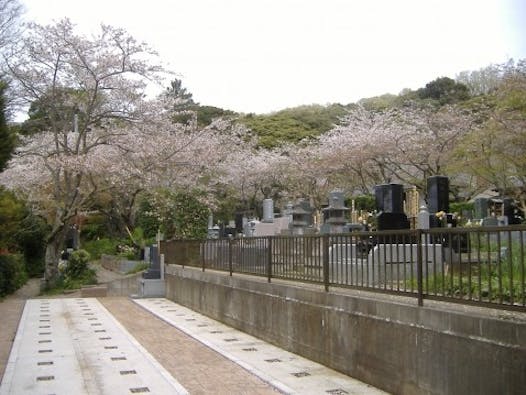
445,91
181,102
7,140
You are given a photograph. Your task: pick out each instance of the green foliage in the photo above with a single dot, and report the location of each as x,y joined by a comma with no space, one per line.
7,139
206,114
77,264
12,212
363,202
55,107
460,207
31,241
147,217
22,232
12,273
74,273
101,246
177,215
94,227
445,91
294,124
380,103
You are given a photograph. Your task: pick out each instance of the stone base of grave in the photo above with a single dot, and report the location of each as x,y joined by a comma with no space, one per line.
151,288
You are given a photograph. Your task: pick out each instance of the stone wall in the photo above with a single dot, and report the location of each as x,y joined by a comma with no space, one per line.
386,341
117,264
125,286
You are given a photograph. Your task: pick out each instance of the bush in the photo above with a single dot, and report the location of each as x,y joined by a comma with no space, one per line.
74,273
102,246
77,264
12,274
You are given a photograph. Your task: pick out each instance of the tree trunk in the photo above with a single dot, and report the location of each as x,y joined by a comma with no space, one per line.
53,252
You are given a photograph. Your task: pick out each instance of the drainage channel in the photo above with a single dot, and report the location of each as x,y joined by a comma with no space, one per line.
286,371
75,346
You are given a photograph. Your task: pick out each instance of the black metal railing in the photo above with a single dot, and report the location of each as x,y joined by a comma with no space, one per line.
479,265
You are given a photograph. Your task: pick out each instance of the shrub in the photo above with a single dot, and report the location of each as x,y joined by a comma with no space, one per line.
74,273
77,264
12,273
102,246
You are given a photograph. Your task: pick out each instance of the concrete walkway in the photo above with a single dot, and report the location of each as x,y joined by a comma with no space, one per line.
63,345
287,372
75,346
197,367
10,312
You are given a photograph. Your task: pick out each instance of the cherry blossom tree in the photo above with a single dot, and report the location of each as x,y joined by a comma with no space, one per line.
406,144
88,89
10,13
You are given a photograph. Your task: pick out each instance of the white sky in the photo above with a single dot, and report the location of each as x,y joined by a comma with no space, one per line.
266,55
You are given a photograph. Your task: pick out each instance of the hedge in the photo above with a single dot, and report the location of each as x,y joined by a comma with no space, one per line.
12,273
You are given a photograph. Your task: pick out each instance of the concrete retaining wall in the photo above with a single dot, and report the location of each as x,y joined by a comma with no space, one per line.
388,342
126,286
117,264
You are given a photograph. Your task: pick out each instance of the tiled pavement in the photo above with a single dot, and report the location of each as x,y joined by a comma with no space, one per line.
204,356
75,346
286,371
198,368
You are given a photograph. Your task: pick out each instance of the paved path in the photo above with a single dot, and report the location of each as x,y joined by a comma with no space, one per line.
288,372
10,312
198,368
204,356
75,346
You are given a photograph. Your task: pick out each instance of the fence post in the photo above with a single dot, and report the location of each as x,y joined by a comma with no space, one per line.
230,267
419,277
325,245
269,258
202,251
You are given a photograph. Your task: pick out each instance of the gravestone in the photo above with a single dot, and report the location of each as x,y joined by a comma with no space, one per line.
438,194
392,221
238,219
481,208
389,198
390,206
154,271
268,210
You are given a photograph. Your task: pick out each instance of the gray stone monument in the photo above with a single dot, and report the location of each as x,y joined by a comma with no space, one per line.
335,213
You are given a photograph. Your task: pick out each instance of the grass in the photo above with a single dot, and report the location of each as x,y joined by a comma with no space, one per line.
501,280
64,284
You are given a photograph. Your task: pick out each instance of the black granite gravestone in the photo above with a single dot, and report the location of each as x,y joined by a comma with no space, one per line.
389,198
438,194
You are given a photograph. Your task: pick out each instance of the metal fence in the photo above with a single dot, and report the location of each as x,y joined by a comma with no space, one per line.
479,265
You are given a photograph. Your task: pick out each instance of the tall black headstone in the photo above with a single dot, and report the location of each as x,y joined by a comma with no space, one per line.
438,194
389,198
390,206
480,206
238,220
